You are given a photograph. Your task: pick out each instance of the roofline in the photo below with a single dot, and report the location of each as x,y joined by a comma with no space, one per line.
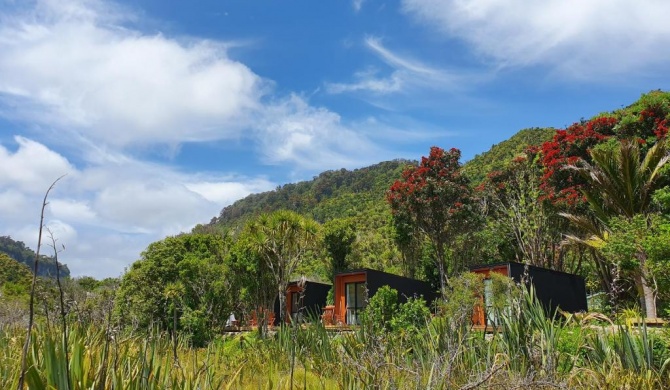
295,282
361,270
508,263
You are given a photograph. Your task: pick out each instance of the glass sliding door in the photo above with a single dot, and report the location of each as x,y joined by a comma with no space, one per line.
488,303
355,298
296,315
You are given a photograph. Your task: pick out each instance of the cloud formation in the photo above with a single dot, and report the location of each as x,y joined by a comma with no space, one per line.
580,38
80,68
69,64
308,136
101,96
95,209
406,74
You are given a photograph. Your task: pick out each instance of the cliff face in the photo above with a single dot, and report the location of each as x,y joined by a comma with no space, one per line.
18,251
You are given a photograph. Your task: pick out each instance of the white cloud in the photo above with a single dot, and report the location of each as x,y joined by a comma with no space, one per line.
357,4
32,167
13,204
110,212
407,75
368,81
582,38
82,78
65,64
313,138
78,69
226,192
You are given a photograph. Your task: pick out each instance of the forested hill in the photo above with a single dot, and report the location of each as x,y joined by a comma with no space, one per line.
18,251
500,154
332,194
358,193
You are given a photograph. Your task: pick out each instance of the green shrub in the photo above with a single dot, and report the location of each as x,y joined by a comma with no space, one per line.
411,316
380,309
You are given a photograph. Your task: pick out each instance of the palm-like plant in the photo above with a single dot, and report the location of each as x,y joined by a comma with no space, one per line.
282,239
620,183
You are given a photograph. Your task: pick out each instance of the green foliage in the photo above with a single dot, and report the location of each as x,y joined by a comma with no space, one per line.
516,211
620,184
15,277
253,283
338,238
500,155
412,316
644,118
630,237
381,308
186,273
465,292
332,194
282,239
18,251
355,196
528,350
384,314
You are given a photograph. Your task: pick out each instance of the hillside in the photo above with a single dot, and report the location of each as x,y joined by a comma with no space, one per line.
332,194
360,193
357,194
500,154
18,251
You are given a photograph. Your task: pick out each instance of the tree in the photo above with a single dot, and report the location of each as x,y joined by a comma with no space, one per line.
562,186
193,262
338,238
14,277
253,283
514,198
409,241
620,183
438,200
628,238
283,239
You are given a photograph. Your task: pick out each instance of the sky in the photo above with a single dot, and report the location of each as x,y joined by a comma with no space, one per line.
162,112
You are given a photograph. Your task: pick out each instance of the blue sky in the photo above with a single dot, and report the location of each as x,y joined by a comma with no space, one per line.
163,112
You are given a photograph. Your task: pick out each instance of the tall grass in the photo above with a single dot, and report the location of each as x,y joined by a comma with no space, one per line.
527,350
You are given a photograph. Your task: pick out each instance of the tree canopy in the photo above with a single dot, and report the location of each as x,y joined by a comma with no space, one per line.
437,199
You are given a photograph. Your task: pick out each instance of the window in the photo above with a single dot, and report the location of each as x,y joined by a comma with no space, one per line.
355,297
489,309
296,305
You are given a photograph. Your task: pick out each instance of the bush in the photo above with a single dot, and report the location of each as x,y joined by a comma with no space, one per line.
411,316
380,309
383,312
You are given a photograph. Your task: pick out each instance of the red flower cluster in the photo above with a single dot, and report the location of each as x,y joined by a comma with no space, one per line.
559,185
432,190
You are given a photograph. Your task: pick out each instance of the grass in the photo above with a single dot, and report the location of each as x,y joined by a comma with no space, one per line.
527,351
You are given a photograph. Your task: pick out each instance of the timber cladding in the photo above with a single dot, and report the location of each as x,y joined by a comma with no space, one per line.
553,289
373,280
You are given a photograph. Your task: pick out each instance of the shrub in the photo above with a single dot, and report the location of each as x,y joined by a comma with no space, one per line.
381,309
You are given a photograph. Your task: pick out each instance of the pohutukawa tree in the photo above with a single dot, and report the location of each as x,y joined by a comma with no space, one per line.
283,239
436,198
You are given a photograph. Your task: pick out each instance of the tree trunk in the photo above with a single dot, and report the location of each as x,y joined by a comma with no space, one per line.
439,253
646,293
281,294
649,299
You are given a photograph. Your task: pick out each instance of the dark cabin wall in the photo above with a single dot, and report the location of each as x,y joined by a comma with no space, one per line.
406,287
314,299
316,295
554,289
